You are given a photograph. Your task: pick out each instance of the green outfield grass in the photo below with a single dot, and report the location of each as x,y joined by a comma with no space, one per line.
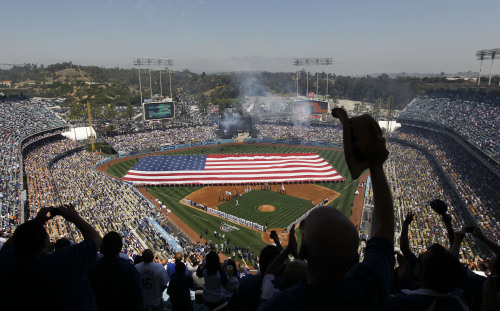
203,222
288,208
121,168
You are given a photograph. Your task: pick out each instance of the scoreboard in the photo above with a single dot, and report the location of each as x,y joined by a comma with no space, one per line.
310,107
158,110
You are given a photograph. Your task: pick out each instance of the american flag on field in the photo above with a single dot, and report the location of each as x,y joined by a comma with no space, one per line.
232,169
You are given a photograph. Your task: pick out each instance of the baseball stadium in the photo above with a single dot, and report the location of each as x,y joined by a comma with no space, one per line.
262,183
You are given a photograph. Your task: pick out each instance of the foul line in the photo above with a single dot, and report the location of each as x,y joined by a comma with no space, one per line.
166,195
199,217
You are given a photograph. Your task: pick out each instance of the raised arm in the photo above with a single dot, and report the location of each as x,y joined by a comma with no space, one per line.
404,242
290,249
449,228
42,216
70,214
457,241
383,205
276,240
495,248
364,147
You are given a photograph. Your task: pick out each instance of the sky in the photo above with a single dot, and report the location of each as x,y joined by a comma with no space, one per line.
362,36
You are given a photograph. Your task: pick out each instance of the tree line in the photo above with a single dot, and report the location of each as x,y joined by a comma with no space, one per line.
110,87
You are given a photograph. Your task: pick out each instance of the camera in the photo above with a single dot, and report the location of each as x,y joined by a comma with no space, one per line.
273,234
55,211
469,229
439,206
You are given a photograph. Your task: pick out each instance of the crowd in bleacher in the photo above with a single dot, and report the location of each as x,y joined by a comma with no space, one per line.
475,116
414,183
19,119
477,186
158,138
330,133
105,202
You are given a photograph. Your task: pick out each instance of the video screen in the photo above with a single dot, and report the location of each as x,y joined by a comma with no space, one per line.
309,107
153,111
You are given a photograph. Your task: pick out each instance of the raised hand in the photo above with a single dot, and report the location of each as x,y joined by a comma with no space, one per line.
409,218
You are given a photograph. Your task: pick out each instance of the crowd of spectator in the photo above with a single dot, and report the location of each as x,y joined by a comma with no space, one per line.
330,133
39,183
106,202
477,185
158,138
19,119
475,116
414,183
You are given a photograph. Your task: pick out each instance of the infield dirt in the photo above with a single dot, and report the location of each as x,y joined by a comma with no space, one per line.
212,196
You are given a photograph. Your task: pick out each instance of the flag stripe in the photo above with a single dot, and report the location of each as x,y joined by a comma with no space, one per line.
241,168
234,180
229,175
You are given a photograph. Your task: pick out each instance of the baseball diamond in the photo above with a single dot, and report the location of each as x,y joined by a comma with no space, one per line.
299,198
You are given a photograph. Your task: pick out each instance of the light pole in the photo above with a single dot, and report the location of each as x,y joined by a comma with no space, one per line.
151,63
485,55
306,61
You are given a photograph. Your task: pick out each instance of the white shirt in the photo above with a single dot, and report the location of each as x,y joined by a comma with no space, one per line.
268,289
154,279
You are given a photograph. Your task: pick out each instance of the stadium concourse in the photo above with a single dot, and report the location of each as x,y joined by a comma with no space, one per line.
37,170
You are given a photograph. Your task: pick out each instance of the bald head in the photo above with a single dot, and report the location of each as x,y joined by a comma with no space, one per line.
330,245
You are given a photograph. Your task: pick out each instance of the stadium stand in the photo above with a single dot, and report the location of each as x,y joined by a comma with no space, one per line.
20,120
300,132
474,116
414,183
423,165
477,186
158,138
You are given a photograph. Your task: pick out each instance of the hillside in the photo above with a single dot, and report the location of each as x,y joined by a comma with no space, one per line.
120,87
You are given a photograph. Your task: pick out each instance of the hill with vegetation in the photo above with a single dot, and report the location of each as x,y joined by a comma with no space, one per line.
109,88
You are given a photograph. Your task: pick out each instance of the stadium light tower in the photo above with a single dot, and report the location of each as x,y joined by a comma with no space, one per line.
152,63
306,61
485,55
493,53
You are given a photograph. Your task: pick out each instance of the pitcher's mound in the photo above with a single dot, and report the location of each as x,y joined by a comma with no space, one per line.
266,208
